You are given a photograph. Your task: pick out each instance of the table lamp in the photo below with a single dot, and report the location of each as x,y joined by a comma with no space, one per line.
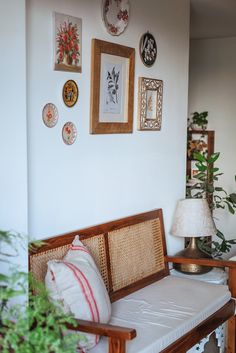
193,219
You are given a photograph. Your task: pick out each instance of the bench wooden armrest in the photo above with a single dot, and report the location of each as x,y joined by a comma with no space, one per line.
213,263
117,335
204,262
107,330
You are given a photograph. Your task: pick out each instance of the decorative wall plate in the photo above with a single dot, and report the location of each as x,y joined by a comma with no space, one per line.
115,15
70,93
148,49
50,115
69,133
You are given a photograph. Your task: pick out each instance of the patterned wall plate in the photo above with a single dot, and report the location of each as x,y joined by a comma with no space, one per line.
148,49
70,93
50,115
115,15
69,133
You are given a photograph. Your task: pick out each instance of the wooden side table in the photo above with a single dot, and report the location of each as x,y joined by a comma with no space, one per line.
216,276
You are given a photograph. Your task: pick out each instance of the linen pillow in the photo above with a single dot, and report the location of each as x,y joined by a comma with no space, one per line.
75,282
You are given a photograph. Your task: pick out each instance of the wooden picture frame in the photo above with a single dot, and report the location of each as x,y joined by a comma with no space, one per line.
150,104
198,141
112,88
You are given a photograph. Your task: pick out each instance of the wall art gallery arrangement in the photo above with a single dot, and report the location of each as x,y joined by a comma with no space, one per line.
70,94
112,76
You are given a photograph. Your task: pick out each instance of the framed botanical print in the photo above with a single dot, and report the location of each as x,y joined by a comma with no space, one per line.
150,104
112,88
67,43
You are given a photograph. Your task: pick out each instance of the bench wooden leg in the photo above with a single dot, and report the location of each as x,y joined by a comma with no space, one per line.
231,346
116,345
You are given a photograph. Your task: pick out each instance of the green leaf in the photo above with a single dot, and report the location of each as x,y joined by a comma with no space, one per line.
230,208
217,188
214,170
201,176
220,234
220,206
199,157
213,157
233,197
201,167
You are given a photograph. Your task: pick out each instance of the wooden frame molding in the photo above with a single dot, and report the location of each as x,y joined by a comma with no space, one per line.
97,126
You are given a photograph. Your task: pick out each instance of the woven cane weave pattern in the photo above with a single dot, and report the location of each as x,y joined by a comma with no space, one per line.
96,246
38,262
135,253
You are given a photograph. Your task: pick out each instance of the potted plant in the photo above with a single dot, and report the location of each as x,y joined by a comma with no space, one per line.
35,325
198,121
217,196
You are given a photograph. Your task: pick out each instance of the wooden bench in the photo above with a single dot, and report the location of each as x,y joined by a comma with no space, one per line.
131,254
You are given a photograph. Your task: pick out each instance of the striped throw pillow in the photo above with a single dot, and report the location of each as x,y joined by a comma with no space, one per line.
75,282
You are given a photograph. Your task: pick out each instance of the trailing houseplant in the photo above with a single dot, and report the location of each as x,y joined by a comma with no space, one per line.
198,121
217,196
36,325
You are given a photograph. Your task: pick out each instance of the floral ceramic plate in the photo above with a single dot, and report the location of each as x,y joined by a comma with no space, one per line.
115,15
148,49
70,93
69,133
50,115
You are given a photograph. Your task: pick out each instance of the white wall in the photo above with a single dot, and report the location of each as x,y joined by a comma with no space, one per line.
13,128
212,87
104,177
13,156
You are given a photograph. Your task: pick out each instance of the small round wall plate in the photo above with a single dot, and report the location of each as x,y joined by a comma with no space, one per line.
115,15
69,133
70,93
148,49
50,115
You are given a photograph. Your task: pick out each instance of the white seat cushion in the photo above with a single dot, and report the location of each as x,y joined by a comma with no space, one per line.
164,311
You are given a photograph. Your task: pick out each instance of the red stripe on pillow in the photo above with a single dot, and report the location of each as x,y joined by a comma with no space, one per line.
80,273
82,288
90,290
81,248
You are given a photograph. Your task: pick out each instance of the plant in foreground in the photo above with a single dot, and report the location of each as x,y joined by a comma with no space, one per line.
37,325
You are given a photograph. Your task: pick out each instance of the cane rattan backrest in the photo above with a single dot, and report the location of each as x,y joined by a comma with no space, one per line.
129,252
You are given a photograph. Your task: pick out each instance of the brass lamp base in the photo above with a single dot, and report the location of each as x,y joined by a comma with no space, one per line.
192,252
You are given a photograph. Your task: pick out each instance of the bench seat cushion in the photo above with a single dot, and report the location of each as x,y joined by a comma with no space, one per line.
164,311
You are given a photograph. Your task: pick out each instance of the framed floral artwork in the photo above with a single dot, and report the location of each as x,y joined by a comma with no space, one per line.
112,88
150,104
67,43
